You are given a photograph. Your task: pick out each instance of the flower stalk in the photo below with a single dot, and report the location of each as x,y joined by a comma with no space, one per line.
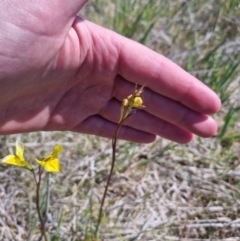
133,101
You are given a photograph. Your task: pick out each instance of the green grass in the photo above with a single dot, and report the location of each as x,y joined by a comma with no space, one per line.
160,191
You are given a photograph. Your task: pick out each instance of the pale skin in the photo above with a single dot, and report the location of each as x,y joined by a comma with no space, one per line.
61,72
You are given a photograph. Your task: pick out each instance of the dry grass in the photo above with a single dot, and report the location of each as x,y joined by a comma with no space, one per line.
160,191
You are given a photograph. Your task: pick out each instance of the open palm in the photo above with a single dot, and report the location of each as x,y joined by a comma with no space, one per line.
60,72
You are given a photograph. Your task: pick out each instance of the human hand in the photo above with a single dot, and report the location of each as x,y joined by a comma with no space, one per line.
60,72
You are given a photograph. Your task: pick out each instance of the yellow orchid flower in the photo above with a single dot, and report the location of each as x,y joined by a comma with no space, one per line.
132,101
137,102
17,159
51,162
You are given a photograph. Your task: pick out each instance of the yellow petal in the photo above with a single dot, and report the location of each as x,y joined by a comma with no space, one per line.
50,164
137,102
56,150
41,163
13,160
19,150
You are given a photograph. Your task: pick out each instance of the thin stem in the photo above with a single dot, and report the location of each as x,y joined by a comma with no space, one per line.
114,143
47,199
38,183
131,102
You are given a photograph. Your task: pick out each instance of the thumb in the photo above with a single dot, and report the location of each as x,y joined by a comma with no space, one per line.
65,11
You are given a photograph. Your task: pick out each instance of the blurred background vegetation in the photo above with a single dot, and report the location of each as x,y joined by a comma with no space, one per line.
160,191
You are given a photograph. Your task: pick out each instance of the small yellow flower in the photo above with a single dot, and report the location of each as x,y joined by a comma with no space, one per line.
132,101
17,159
51,163
137,102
